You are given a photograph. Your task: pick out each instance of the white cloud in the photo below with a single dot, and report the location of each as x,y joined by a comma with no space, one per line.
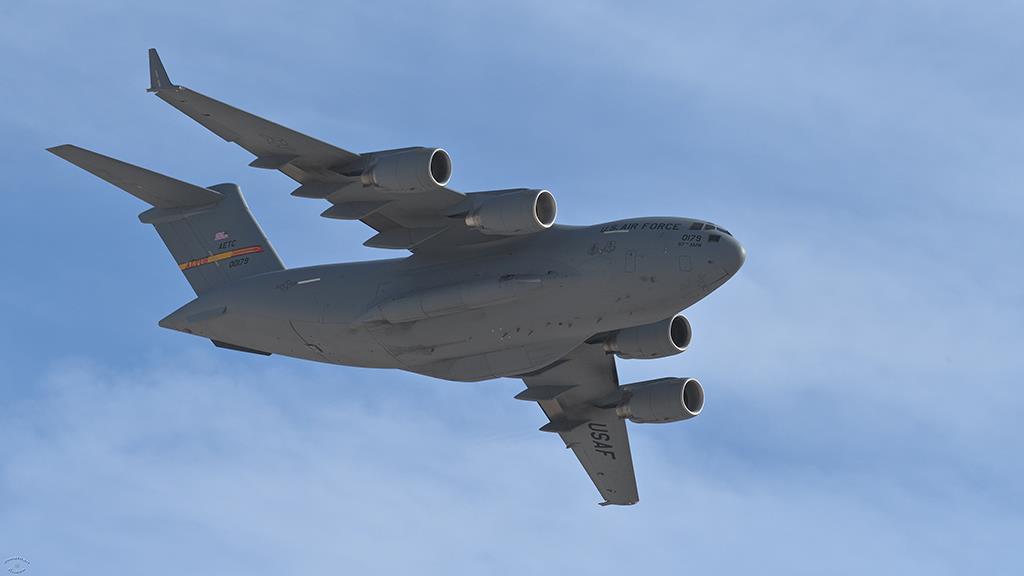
211,466
861,370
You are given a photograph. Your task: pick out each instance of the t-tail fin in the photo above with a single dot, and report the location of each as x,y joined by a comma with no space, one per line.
210,232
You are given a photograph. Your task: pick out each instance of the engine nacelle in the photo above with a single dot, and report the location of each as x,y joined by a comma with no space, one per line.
513,212
409,169
663,338
662,400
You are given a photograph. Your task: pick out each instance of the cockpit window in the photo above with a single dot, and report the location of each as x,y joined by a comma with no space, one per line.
714,237
709,226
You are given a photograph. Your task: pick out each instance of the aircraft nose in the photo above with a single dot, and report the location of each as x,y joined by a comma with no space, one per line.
733,256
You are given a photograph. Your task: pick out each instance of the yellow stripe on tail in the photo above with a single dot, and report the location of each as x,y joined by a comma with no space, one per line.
222,256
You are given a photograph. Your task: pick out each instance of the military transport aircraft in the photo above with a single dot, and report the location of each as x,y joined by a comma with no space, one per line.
493,288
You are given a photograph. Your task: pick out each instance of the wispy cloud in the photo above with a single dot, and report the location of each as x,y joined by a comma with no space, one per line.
212,468
862,370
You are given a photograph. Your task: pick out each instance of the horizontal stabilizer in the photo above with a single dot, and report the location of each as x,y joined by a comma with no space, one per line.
156,189
205,315
230,346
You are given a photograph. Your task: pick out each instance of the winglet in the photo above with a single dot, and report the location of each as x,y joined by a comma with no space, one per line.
158,79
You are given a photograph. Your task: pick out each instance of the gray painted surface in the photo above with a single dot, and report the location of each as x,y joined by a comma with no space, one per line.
466,306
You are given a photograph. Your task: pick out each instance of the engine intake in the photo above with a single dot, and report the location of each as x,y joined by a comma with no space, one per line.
663,338
662,400
513,212
408,169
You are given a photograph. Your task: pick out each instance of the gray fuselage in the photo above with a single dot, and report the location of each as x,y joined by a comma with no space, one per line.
502,308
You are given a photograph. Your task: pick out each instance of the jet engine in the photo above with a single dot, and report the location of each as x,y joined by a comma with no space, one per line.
512,212
663,338
662,400
408,169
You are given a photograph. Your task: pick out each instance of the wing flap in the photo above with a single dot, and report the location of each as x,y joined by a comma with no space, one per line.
353,210
570,392
316,189
273,161
539,392
401,237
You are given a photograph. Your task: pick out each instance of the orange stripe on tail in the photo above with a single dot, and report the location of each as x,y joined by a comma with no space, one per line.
218,257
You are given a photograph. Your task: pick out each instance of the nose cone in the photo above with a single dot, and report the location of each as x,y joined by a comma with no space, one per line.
733,255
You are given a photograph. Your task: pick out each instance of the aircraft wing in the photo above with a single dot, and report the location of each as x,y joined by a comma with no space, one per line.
416,221
272,144
571,393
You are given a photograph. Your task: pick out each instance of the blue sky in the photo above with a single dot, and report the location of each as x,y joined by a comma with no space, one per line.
862,371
